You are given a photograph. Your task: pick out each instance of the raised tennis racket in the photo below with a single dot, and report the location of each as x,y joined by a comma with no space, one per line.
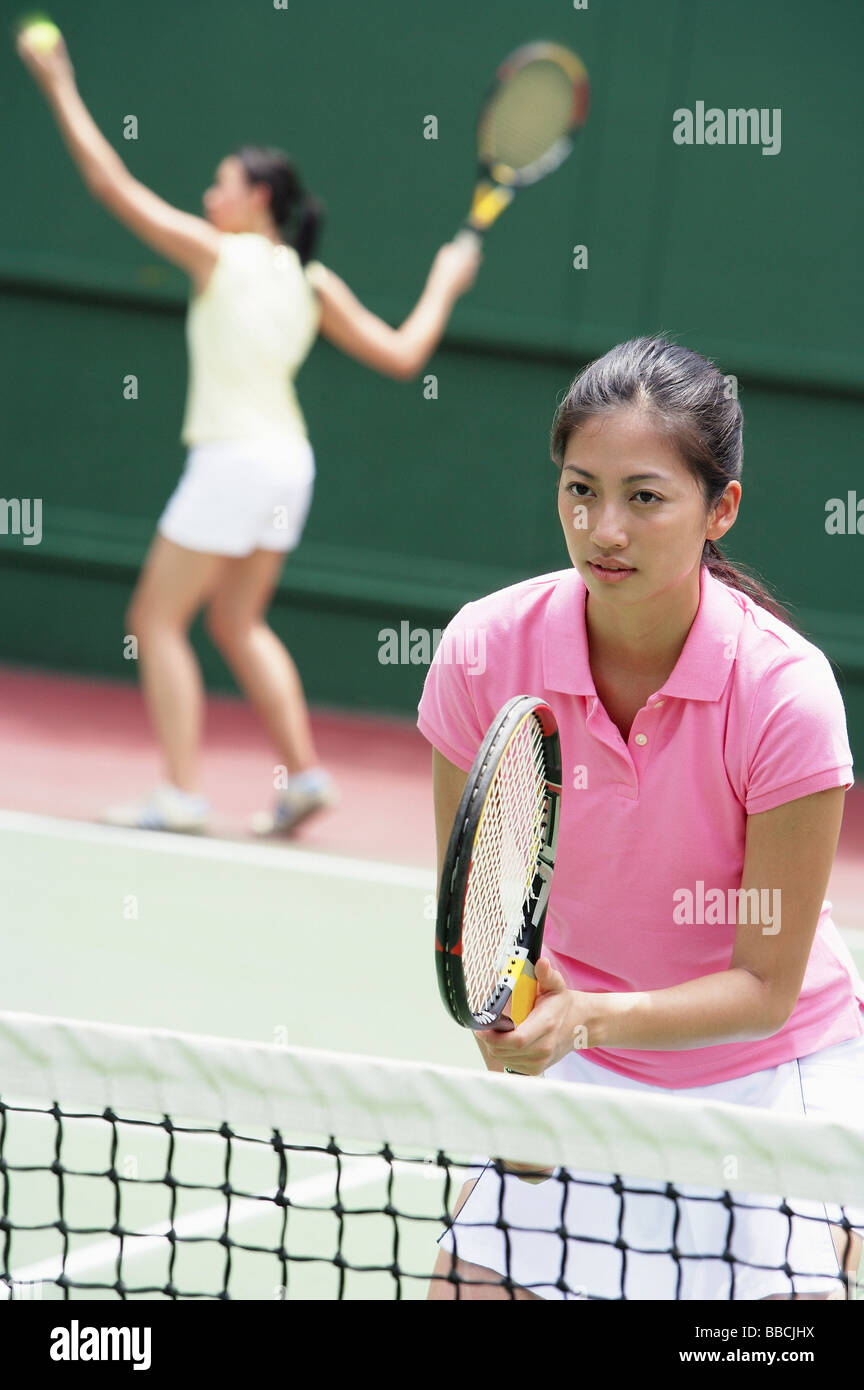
498,870
538,99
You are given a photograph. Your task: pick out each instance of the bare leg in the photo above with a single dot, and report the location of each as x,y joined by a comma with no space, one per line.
236,622
849,1254
485,1284
174,584
849,1250
489,1287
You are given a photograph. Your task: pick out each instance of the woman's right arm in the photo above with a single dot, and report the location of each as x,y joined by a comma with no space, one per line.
190,242
448,784
398,352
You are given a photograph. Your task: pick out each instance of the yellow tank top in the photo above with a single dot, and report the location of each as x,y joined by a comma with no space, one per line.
248,334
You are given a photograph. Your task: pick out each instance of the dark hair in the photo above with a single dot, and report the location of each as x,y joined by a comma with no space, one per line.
689,400
299,215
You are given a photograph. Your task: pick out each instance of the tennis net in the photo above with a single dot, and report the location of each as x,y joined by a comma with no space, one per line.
149,1164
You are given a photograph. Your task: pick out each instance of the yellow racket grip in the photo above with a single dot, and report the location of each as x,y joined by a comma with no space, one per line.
489,202
524,992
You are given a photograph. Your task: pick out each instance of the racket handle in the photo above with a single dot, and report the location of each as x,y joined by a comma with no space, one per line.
469,235
524,994
520,1003
489,201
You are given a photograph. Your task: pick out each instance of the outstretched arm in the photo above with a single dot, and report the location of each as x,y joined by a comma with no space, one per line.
190,242
398,352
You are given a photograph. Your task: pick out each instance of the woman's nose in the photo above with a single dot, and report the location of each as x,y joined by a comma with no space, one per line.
608,527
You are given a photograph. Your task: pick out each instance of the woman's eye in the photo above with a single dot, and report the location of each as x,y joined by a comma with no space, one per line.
582,490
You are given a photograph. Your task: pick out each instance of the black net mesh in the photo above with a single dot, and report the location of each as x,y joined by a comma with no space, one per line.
108,1205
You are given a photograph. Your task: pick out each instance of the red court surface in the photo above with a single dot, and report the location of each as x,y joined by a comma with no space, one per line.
71,746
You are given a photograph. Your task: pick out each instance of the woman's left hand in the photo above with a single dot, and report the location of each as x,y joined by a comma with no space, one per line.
555,1026
49,67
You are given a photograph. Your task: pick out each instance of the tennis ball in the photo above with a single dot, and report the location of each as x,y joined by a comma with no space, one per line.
43,35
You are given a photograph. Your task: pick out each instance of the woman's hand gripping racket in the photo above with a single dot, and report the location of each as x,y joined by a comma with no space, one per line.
538,99
497,871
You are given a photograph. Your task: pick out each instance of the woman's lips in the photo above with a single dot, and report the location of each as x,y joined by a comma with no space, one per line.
609,576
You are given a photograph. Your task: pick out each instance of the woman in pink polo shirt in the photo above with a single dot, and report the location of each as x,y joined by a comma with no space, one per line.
705,751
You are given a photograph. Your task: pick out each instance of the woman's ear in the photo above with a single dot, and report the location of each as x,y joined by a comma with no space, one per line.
261,195
723,514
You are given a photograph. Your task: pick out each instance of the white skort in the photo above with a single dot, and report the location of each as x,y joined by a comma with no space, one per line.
236,496
828,1084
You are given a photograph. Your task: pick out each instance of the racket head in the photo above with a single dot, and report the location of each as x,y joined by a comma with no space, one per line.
497,871
538,99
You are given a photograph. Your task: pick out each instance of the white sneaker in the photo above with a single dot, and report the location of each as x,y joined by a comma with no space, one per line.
295,803
166,808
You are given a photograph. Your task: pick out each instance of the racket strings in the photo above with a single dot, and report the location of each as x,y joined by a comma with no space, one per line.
530,113
506,852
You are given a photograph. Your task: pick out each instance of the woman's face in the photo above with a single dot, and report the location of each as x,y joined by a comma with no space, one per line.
232,203
633,514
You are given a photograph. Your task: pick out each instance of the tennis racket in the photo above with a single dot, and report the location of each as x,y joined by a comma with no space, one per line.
497,871
539,97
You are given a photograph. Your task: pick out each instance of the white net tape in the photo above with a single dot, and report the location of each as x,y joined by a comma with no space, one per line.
415,1105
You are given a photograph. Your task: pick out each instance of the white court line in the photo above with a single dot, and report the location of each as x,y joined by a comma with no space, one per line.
197,1223
296,861
361,1172
237,852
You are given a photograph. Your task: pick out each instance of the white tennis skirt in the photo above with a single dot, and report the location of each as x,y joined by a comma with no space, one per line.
829,1084
236,496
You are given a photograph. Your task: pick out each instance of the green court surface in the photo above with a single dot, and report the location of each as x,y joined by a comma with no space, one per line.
238,940
247,941
233,939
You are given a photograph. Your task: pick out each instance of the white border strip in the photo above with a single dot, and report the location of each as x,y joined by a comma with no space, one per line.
267,856
422,1107
236,851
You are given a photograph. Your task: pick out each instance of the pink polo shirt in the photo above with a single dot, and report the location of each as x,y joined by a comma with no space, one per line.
652,831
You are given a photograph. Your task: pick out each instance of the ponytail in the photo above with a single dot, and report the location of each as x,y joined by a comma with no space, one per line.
298,215
739,577
690,401
308,232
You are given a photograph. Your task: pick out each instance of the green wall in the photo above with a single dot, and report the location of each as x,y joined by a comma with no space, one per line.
422,504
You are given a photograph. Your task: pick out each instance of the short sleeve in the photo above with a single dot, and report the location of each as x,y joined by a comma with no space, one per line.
447,713
797,742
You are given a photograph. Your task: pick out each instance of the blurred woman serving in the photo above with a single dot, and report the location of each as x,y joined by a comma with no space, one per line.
258,302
